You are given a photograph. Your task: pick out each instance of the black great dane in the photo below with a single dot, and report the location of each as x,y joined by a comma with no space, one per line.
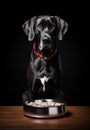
44,72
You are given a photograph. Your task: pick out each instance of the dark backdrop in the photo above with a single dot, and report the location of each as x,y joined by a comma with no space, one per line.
15,49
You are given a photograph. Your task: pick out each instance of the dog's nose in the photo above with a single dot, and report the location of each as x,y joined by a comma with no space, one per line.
46,37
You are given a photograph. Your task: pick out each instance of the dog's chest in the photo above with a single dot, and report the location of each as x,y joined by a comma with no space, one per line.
45,72
43,68
43,81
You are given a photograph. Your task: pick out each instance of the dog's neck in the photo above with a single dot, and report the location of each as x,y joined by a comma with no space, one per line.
44,56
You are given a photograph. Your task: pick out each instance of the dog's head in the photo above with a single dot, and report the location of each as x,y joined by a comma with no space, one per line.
45,29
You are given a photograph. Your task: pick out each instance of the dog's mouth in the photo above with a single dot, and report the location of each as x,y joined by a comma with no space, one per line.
45,45
47,49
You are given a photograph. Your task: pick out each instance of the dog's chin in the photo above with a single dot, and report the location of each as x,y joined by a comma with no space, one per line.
46,48
47,51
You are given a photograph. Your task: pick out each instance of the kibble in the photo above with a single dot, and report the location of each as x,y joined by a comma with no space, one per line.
40,103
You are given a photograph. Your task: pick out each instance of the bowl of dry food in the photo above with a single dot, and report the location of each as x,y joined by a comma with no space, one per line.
44,108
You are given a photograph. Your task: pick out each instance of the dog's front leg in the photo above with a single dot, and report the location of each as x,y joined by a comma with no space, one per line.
27,95
59,85
30,82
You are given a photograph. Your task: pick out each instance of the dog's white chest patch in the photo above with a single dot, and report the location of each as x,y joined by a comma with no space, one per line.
43,80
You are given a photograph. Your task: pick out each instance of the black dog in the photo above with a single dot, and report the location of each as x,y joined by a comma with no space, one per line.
45,71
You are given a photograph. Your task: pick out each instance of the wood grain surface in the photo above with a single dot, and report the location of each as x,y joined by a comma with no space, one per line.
77,118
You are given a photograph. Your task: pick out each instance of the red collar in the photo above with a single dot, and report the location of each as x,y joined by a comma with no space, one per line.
41,56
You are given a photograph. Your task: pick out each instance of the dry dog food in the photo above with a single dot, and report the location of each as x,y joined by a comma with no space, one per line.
40,103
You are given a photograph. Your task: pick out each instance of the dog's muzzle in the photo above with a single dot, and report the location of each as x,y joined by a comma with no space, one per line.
45,41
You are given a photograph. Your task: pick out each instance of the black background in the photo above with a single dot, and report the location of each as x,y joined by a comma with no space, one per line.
15,49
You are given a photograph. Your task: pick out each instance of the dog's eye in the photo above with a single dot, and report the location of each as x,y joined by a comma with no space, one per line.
51,28
40,27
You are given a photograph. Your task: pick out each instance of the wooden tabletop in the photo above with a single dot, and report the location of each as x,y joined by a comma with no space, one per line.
12,118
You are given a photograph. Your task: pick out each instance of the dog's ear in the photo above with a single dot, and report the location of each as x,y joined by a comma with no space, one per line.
28,28
62,26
